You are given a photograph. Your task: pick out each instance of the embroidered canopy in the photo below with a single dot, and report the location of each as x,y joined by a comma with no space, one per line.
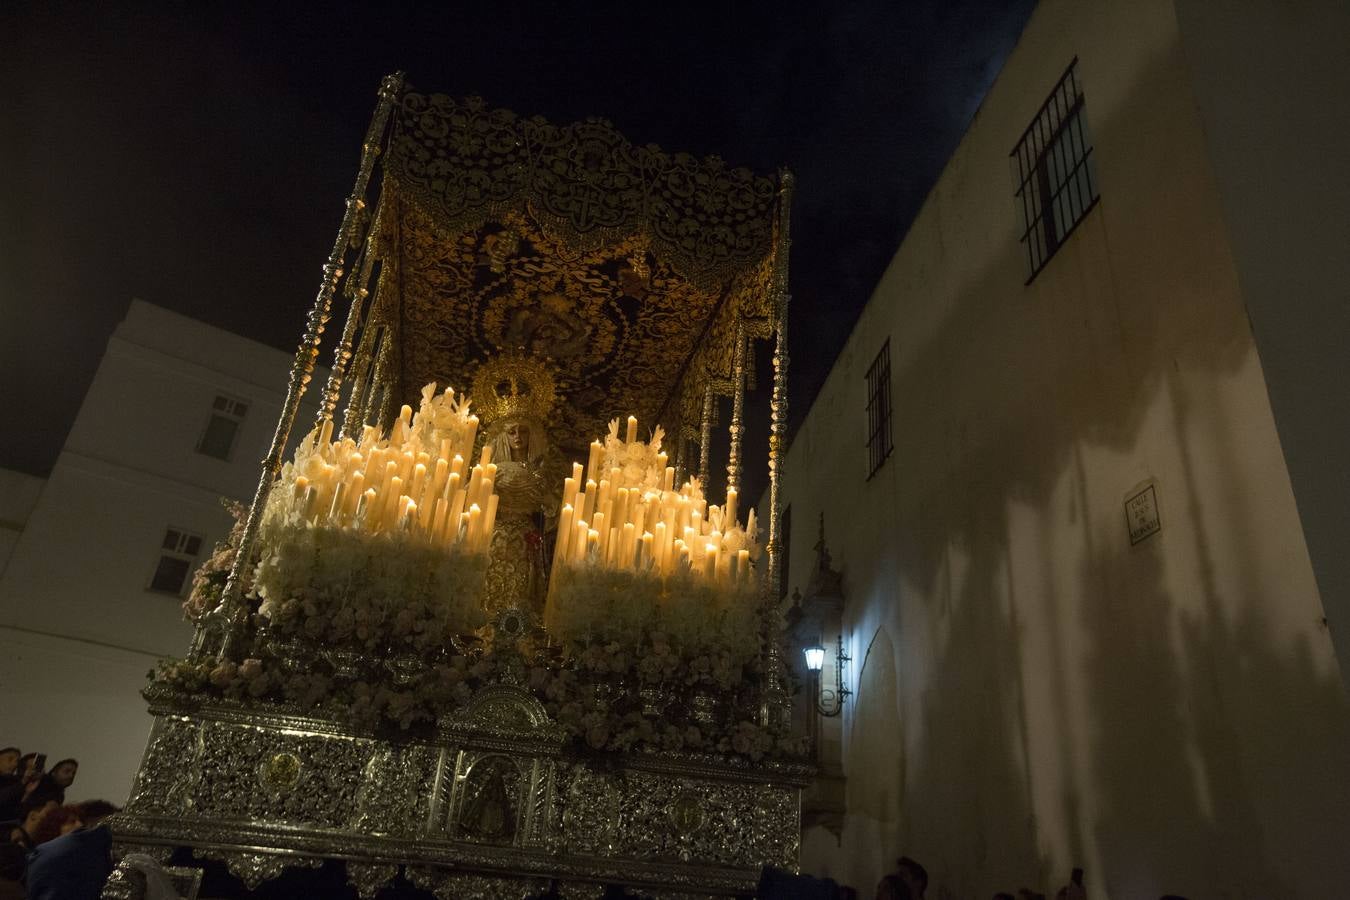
631,270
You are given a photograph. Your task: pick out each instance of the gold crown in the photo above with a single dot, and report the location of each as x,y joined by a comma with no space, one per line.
512,385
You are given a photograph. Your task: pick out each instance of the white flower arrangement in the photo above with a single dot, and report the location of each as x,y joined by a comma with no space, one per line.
636,557
382,539
597,604
348,587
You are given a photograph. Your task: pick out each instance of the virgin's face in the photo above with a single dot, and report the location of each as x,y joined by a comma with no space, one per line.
518,436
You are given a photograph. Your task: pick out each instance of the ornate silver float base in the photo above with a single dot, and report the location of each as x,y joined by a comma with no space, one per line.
496,805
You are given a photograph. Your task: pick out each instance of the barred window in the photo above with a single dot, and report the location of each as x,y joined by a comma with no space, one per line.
1056,183
227,414
177,554
879,443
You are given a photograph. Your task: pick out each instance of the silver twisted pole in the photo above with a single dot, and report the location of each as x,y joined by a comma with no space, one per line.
705,435
737,428
357,290
775,705
778,401
232,612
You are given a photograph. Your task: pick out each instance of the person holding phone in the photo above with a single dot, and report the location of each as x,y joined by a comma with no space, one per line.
53,784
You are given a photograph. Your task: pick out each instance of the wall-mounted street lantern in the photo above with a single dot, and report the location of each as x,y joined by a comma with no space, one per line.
828,701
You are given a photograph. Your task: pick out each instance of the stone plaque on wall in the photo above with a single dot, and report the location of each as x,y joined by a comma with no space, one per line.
1141,515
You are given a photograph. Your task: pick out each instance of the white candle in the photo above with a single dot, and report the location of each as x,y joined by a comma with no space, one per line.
564,536
419,479
632,430
580,530
336,510
389,515
627,546
471,540
710,561
452,518
593,463
660,550
475,483
438,510
589,508
485,456
729,513
437,486
366,510
599,525
356,487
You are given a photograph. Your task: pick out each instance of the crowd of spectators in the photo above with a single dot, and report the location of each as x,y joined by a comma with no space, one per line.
907,881
50,849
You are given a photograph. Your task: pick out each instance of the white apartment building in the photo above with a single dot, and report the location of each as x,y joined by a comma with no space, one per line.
100,555
1083,474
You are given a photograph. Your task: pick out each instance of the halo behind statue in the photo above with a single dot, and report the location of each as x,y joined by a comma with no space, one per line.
514,386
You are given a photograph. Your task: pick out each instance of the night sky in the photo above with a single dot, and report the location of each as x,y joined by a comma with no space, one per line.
198,158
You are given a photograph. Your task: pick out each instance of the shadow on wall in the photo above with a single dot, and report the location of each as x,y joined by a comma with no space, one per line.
1234,742
1217,756
970,816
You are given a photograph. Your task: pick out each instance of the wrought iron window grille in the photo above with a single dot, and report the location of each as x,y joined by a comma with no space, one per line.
1054,169
879,439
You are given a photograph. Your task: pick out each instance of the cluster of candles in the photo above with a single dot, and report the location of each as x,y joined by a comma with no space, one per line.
610,520
415,481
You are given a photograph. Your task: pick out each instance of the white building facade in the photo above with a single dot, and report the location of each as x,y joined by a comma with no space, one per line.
178,416
1083,622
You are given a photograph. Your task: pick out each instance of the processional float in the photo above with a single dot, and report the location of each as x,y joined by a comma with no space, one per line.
437,646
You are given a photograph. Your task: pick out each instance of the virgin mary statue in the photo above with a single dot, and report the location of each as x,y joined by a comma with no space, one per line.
516,394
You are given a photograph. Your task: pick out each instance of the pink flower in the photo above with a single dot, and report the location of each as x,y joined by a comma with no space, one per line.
223,674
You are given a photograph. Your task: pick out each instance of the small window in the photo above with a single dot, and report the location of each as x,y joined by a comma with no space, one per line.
227,414
1056,183
879,442
177,554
